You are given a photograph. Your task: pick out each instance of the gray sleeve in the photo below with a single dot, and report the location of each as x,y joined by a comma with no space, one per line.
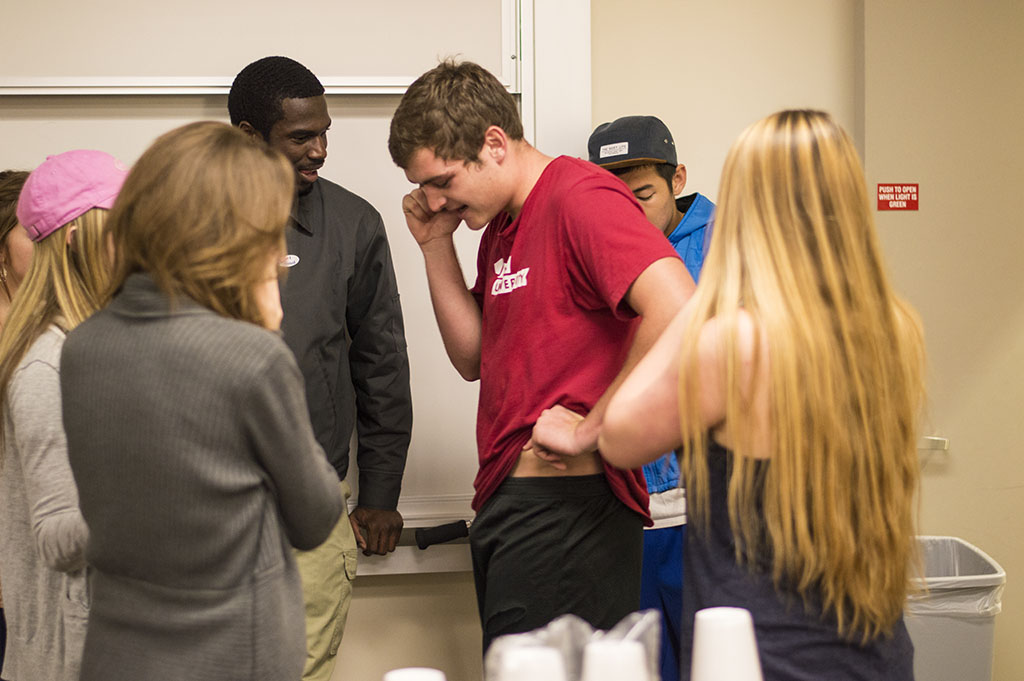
304,483
35,407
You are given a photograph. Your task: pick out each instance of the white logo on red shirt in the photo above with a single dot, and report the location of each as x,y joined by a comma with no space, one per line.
507,280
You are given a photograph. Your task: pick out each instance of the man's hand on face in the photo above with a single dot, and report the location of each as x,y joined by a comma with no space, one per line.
425,224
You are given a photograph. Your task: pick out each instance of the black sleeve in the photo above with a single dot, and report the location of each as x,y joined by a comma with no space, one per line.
380,369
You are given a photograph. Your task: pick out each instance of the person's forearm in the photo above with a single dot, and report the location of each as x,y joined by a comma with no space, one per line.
457,314
657,295
641,421
384,410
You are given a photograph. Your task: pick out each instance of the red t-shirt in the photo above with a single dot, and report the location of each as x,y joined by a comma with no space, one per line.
556,328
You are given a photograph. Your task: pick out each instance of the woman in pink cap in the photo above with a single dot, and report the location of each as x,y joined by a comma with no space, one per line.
63,208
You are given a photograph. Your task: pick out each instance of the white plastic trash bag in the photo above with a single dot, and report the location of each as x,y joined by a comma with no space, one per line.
570,634
960,580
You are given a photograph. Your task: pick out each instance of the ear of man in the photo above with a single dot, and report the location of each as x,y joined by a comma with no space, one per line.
679,180
248,129
496,144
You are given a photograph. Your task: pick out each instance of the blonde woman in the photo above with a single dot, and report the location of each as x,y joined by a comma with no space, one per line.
187,425
63,208
791,382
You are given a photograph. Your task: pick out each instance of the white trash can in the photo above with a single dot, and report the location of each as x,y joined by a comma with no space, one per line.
952,623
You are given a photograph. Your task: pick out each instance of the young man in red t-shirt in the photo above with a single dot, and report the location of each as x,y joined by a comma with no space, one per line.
566,265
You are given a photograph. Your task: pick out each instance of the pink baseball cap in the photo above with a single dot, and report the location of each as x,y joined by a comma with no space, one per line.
66,186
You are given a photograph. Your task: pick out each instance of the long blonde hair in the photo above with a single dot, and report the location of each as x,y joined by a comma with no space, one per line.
65,283
200,212
832,512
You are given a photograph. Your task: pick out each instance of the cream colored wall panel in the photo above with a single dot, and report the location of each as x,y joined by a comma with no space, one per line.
943,94
561,76
33,127
411,621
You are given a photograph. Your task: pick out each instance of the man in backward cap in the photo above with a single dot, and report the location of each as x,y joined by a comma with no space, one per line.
641,152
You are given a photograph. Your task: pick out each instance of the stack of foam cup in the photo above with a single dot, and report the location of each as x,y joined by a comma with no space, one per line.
724,646
415,674
532,663
614,660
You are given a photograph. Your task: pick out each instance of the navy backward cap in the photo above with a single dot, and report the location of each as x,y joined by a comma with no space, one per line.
631,141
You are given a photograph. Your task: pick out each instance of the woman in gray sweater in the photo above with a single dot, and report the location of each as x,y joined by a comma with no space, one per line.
187,427
63,207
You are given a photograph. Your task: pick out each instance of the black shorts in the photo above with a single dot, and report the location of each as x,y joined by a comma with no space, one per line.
544,547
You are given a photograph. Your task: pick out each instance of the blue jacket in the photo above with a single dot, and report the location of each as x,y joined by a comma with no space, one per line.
690,238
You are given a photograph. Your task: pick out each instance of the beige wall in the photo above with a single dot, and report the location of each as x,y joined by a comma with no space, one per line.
412,621
944,93
709,69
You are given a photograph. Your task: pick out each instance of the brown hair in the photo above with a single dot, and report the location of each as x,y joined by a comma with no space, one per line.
11,182
448,109
200,212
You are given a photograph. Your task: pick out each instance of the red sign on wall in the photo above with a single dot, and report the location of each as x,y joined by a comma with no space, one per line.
897,197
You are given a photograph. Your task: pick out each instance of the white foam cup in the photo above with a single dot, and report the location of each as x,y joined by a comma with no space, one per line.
724,646
532,663
614,660
414,674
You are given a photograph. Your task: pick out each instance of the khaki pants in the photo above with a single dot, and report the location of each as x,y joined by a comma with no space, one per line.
327,575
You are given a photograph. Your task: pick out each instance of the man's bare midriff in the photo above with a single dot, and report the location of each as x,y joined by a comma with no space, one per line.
532,466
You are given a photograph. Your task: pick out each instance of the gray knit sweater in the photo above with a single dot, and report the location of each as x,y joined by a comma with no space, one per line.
42,534
197,470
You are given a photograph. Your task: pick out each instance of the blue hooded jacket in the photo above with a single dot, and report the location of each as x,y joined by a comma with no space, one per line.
690,238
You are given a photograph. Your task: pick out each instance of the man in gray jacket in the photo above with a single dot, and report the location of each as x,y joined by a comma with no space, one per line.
343,321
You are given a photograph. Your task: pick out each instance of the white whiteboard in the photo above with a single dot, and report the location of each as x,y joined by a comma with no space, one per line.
127,46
